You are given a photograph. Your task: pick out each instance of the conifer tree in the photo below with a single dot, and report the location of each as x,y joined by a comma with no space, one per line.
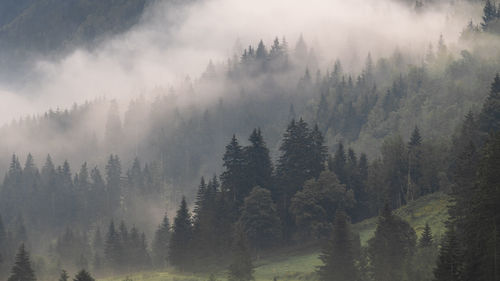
83,275
489,14
241,267
489,118
426,238
318,153
113,247
337,164
181,237
338,255
161,242
233,178
64,276
390,248
22,270
449,263
258,166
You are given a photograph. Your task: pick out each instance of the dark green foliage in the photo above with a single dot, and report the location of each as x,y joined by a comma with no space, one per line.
303,156
489,14
314,207
490,114
426,239
83,275
22,270
161,242
233,180
337,164
113,249
260,220
391,247
258,166
449,263
338,254
181,237
241,267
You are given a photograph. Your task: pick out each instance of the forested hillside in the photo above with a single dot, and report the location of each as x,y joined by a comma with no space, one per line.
277,147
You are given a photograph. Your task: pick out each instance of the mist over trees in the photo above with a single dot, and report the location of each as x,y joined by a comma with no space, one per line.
285,153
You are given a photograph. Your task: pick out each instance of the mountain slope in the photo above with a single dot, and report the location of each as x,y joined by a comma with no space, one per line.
300,263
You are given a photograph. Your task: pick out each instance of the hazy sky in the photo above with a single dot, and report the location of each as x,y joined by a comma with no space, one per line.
153,55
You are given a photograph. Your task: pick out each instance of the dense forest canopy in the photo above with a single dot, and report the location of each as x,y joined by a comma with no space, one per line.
279,142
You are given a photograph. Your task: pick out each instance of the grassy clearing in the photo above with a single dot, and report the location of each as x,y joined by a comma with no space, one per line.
300,263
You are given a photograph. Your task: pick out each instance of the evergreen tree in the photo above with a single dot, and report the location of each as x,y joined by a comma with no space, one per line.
318,153
489,14
489,118
64,276
338,254
337,164
181,237
241,267
113,248
161,243
390,248
83,275
22,270
426,238
258,166
233,178
449,263
292,169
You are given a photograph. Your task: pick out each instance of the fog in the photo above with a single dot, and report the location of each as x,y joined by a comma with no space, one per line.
160,53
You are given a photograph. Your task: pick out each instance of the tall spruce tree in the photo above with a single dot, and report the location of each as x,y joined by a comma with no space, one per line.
426,239
181,238
22,270
241,267
449,264
338,254
161,243
258,166
489,118
393,243
233,179
83,275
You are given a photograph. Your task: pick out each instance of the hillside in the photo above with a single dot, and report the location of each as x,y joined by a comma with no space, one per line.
299,263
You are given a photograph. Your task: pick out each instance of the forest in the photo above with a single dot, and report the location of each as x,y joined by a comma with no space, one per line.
273,149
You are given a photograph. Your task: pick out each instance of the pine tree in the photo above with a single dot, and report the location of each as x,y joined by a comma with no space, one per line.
426,238
83,275
241,267
489,14
338,255
64,276
22,270
181,237
391,246
233,178
258,165
113,248
160,243
337,164
489,118
449,264
318,153
416,138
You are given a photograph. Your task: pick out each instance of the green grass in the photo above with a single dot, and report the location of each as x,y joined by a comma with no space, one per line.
300,263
